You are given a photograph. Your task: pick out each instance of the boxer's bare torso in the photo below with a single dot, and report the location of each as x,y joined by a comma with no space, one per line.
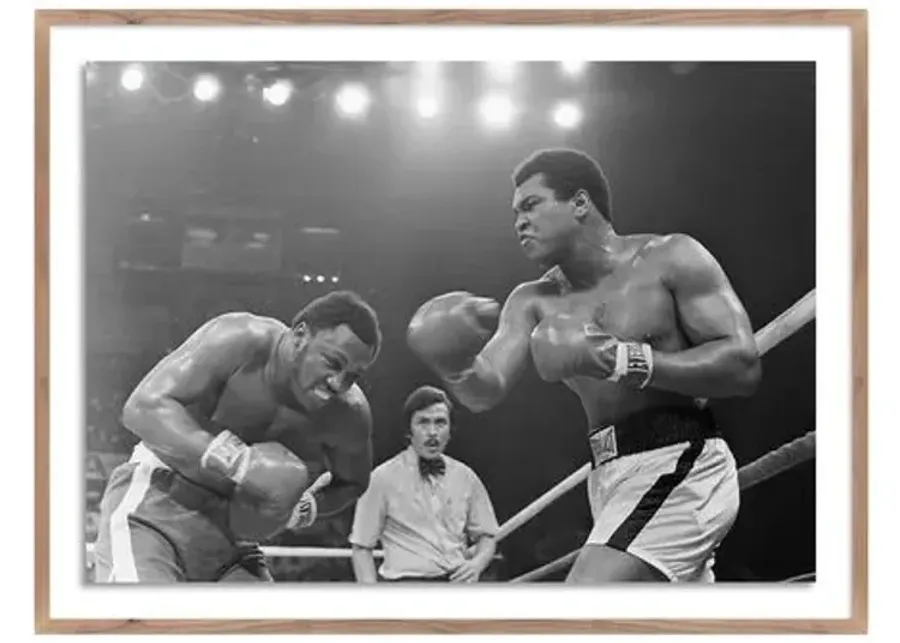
634,302
229,377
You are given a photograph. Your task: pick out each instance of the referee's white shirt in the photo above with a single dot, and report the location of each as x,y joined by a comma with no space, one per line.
424,526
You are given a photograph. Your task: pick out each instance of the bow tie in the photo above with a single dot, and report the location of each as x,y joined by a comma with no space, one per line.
432,467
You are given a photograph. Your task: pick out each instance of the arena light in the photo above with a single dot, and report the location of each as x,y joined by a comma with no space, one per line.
429,68
502,71
497,110
573,68
90,73
207,88
352,100
278,93
427,107
567,115
132,78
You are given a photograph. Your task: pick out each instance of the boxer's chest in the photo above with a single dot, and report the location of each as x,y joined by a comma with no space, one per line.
248,408
629,304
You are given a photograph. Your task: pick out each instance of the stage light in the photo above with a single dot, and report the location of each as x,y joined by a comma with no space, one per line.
132,78
429,68
207,88
573,67
427,107
90,73
334,280
278,93
321,279
567,115
502,71
307,279
497,110
353,100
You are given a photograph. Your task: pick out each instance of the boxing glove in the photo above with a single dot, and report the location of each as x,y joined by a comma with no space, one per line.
270,482
448,331
565,345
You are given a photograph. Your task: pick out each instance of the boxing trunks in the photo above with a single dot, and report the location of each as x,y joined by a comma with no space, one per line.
156,526
664,488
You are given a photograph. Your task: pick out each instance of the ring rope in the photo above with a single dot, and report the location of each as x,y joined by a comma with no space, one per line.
781,459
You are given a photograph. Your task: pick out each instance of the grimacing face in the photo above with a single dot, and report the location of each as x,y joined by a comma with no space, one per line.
544,225
327,363
429,430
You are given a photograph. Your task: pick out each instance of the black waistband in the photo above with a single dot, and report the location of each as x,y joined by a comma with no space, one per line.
652,428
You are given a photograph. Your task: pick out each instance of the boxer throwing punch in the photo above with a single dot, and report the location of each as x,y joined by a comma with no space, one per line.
637,326
234,425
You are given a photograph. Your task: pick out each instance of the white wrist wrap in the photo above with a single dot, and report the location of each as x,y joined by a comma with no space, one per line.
304,513
634,364
227,455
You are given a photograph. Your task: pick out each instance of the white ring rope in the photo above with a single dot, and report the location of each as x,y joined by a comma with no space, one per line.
765,467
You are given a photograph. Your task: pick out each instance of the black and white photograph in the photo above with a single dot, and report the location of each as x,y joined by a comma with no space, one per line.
442,322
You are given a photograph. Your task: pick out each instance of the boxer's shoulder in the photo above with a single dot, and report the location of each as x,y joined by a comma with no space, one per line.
247,329
234,338
666,247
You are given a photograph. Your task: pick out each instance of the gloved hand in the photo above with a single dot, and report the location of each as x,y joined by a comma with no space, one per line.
564,346
269,482
448,331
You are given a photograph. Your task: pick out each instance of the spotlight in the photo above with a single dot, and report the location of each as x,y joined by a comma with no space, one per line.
427,107
567,115
497,110
573,67
278,93
306,279
335,279
353,100
90,73
207,88
321,279
502,71
132,78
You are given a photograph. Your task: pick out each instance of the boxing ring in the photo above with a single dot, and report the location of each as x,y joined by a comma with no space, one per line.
769,465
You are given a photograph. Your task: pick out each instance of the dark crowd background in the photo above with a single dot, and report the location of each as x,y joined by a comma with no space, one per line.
193,209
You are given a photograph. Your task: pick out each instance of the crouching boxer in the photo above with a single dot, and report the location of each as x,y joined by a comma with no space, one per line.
638,326
234,425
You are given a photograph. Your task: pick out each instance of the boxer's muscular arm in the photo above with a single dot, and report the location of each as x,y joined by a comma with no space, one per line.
502,361
348,450
724,360
156,412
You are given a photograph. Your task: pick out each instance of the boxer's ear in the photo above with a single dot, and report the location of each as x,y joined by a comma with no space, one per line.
581,202
301,334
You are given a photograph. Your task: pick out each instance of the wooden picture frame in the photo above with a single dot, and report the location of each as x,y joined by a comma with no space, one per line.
854,20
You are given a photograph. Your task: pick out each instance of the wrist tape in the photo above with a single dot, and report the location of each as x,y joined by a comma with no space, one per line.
634,364
228,456
304,513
